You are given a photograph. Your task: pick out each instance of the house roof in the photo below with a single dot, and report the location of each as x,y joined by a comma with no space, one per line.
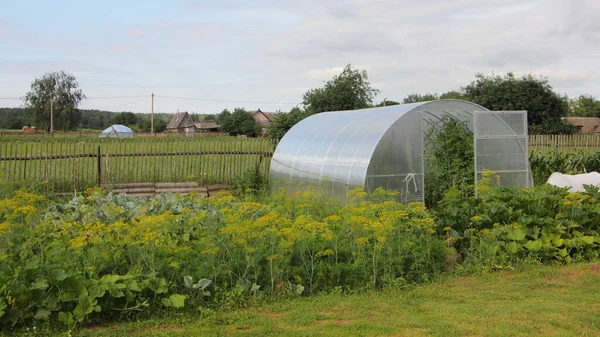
177,120
206,125
586,124
270,115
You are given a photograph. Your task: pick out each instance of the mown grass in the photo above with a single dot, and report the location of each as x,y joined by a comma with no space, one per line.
543,301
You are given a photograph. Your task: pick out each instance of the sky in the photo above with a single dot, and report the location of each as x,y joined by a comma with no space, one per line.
265,54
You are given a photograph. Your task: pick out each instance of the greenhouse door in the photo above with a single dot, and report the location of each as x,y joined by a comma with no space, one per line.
501,148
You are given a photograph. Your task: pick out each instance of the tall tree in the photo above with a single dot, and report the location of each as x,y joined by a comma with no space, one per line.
240,122
223,117
534,94
584,106
285,121
125,118
453,94
57,92
414,98
349,90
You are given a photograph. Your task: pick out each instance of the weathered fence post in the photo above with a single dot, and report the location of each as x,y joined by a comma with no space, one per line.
99,160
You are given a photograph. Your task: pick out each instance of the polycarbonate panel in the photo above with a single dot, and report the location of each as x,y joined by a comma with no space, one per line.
501,146
331,151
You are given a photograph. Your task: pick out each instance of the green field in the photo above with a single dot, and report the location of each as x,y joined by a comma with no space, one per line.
544,301
85,163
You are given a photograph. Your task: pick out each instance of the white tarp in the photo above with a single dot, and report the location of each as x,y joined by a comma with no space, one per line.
576,182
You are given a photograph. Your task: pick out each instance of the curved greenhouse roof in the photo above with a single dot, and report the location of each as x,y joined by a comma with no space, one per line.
117,131
383,147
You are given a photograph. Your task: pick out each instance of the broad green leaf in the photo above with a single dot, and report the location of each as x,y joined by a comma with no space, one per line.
39,283
3,306
65,317
533,245
84,307
512,247
188,282
133,285
158,285
588,240
178,300
298,289
96,291
59,274
42,313
516,234
203,283
558,242
562,252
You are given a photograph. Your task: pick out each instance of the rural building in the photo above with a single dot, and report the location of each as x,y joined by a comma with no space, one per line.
206,127
585,124
181,123
263,119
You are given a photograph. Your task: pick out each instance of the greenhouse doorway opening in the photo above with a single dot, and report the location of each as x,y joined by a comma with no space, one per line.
336,152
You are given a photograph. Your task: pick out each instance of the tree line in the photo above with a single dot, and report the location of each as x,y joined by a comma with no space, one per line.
16,118
350,90
546,108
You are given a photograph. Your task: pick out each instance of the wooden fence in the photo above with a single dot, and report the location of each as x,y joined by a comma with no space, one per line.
588,141
66,166
17,134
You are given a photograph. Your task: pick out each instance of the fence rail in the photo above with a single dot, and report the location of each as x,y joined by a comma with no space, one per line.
565,141
66,166
17,134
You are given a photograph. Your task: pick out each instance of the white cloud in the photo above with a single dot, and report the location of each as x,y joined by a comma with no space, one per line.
136,32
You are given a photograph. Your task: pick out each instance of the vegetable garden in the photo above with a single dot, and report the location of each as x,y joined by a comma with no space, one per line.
100,257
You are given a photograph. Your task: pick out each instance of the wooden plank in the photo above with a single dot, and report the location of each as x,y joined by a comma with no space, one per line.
134,190
182,190
146,195
176,185
129,185
216,187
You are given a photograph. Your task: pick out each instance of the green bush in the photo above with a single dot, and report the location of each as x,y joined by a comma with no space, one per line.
506,226
449,158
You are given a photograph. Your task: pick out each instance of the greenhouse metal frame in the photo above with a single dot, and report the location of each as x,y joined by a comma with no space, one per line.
336,152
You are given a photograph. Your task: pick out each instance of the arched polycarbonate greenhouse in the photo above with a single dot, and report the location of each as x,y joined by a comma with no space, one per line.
383,147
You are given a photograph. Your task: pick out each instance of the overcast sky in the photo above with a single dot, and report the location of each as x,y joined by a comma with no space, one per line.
272,51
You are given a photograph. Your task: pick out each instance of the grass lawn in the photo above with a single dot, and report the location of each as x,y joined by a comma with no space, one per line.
543,301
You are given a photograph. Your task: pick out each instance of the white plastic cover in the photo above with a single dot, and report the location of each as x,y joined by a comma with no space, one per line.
370,148
117,131
576,182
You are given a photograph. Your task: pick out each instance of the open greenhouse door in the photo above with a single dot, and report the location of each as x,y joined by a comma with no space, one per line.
501,147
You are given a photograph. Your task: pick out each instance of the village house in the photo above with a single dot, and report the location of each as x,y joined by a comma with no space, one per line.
206,127
181,123
264,120
585,124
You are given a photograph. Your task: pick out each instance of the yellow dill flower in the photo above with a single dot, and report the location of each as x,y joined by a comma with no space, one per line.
77,242
430,231
476,218
362,241
447,229
333,218
273,257
449,240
